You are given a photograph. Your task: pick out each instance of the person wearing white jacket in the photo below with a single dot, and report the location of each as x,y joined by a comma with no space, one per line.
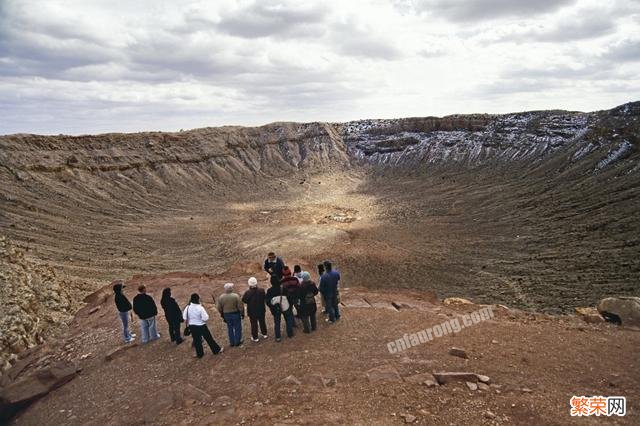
196,317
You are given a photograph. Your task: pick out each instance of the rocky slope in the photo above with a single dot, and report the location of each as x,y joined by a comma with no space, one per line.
531,365
35,299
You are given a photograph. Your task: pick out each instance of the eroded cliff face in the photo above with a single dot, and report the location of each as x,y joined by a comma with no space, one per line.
222,153
498,140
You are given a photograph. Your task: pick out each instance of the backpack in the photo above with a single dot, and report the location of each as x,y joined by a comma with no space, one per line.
280,301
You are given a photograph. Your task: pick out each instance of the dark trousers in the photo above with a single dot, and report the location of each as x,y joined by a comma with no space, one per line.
199,332
254,326
288,318
309,320
333,309
174,331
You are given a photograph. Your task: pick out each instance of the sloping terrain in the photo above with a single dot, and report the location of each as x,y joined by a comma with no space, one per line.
340,374
536,210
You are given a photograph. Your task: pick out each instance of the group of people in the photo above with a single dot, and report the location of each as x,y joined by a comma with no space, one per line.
292,296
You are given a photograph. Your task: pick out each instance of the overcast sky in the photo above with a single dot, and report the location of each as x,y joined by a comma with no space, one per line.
91,66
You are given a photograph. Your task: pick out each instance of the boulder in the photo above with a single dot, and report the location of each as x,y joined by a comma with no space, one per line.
622,310
472,386
18,395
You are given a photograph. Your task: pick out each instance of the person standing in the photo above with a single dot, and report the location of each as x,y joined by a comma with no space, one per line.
254,299
297,272
278,304
196,317
308,307
320,273
329,283
173,315
274,265
145,308
124,310
232,310
291,287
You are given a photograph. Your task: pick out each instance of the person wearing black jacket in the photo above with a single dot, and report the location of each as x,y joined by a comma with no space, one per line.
308,307
274,265
145,308
254,298
124,310
274,300
173,314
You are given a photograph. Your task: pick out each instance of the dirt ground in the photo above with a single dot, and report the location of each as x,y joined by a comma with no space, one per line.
535,362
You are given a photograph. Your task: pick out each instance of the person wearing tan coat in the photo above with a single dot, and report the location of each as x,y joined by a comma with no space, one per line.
231,309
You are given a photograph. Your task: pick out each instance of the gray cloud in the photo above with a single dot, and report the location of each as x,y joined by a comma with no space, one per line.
77,66
348,39
582,25
625,51
478,10
270,18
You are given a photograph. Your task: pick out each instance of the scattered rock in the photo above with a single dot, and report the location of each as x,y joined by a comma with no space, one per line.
484,379
18,395
456,301
483,386
114,353
94,310
459,352
430,383
383,373
448,377
419,378
590,315
526,390
472,386
291,380
622,310
489,414
408,418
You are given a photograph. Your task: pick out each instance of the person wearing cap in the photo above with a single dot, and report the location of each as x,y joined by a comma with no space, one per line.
254,299
124,310
196,317
308,307
232,311
274,265
146,309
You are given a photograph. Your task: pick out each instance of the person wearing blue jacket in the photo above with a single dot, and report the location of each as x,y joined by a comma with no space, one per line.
329,282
